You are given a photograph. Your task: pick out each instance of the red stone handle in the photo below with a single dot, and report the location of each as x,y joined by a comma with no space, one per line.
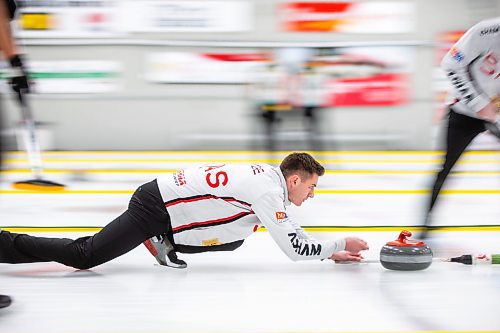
404,235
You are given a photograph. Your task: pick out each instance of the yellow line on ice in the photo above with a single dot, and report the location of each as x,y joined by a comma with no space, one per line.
256,152
399,228
262,229
67,192
246,160
106,171
52,229
326,191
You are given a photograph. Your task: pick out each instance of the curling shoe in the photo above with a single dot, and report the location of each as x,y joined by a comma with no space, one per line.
164,252
5,301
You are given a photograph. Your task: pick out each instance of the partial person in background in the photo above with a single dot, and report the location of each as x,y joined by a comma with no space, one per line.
312,100
473,67
209,208
271,99
18,79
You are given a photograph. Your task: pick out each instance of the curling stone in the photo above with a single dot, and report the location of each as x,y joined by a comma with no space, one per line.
405,255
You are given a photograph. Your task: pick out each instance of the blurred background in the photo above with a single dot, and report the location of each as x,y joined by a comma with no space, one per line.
238,75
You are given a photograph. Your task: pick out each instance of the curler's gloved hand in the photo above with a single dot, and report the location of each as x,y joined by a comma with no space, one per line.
18,78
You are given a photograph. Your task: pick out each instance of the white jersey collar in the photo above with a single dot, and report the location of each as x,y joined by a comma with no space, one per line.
283,185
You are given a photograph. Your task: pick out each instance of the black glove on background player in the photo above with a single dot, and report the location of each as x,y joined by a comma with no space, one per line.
18,76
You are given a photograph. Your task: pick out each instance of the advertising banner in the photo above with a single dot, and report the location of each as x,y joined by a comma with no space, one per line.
348,17
367,76
112,18
73,77
188,67
67,19
187,16
364,76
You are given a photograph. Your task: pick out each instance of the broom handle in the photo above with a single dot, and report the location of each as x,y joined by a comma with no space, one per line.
30,137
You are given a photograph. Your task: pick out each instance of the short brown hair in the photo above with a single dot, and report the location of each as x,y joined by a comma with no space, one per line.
303,164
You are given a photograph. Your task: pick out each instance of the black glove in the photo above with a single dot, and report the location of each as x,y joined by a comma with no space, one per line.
18,76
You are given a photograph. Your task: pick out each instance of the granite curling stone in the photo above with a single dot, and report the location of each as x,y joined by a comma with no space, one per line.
405,255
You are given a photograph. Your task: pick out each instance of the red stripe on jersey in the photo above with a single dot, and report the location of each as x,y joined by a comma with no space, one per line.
210,222
191,199
203,197
229,199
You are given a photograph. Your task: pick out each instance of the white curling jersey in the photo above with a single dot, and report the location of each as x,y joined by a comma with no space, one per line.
221,204
473,67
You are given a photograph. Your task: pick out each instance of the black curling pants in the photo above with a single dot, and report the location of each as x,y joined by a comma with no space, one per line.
145,217
461,131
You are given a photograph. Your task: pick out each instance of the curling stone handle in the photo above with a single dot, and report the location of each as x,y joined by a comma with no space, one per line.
404,235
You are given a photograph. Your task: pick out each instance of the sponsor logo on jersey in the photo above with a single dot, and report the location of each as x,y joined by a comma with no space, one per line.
179,178
302,248
256,169
490,30
456,54
280,216
211,242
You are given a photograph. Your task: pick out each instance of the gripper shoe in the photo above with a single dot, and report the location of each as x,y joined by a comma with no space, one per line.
5,301
164,252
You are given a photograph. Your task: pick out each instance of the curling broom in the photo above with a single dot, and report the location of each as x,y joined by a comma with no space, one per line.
33,151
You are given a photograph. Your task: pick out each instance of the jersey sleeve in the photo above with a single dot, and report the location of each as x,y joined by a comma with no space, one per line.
289,236
458,60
